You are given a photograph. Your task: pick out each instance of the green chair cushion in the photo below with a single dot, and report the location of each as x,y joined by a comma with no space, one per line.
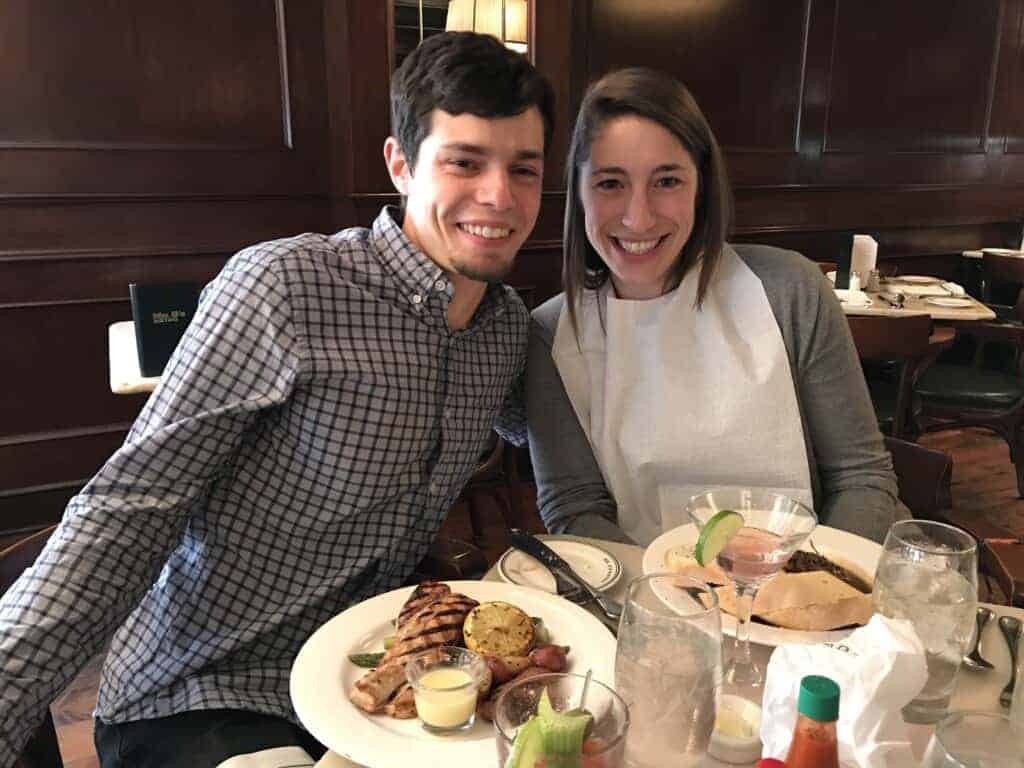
968,387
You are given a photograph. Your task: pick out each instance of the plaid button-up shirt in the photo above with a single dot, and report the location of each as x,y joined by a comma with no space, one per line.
311,431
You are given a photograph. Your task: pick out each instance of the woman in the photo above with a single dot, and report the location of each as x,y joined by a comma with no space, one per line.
675,362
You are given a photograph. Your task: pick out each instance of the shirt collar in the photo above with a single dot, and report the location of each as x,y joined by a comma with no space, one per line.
416,274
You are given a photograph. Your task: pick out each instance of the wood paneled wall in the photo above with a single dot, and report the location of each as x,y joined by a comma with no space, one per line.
149,141
139,142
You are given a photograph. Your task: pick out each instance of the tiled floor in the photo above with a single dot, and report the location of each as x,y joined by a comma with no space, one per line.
983,483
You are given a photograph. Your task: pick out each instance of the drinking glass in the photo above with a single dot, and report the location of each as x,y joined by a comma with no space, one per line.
668,668
605,743
928,575
975,740
774,527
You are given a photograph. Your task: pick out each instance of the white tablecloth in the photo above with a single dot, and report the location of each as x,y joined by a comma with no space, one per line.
975,690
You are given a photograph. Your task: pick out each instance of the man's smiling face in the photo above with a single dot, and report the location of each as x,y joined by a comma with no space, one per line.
473,197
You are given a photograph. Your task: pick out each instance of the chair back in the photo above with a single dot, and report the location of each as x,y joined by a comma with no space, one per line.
999,269
827,266
890,338
20,555
42,750
901,339
924,476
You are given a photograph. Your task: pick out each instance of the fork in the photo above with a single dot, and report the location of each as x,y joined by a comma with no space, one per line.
1011,631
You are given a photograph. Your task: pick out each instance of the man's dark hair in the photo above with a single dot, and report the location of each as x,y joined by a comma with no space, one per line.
464,72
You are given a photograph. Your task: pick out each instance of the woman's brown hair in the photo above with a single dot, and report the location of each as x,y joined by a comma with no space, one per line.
661,98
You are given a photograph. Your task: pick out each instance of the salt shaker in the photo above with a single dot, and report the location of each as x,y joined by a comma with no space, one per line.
874,281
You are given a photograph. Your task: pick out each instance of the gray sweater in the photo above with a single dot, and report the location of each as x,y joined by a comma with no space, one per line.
851,472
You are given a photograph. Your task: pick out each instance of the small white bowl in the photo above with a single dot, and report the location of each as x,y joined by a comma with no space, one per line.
727,745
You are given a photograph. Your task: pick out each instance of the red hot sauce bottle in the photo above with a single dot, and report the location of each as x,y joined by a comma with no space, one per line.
815,744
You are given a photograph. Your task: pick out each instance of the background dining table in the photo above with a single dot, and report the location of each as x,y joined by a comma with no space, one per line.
919,305
976,690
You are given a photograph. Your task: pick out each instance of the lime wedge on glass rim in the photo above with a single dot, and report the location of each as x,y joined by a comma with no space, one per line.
716,534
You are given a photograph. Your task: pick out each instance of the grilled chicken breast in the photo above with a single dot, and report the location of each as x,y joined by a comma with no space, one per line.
437,623
426,593
403,705
372,691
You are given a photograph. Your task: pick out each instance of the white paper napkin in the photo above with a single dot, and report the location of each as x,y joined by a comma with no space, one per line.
879,668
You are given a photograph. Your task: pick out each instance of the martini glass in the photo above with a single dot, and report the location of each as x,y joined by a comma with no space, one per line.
774,527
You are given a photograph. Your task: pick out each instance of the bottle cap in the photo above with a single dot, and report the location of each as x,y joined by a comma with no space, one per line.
770,762
819,698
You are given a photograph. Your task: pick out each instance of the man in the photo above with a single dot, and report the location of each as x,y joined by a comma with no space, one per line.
320,416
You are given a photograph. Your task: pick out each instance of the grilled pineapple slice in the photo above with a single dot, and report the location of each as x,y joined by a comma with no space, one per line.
499,629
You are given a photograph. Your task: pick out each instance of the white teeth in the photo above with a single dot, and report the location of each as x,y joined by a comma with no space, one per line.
637,246
491,233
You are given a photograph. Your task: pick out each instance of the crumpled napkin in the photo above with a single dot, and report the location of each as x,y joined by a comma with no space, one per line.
935,289
879,668
853,298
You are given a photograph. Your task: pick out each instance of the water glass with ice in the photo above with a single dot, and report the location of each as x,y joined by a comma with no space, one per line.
928,574
668,669
975,740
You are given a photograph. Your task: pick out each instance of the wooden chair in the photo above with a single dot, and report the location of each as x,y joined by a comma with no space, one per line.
488,482
987,391
42,751
924,476
1000,555
827,266
903,341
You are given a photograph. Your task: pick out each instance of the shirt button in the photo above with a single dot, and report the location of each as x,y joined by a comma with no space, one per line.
449,414
441,285
435,488
416,298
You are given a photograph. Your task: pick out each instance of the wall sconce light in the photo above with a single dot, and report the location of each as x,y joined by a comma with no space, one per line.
504,19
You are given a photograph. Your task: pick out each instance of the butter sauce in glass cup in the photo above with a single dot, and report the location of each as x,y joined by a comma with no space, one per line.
446,683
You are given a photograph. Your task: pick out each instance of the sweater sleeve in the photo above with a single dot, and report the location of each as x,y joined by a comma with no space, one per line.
858,486
571,494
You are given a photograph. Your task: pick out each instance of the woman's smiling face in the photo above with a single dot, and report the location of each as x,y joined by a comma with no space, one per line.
639,191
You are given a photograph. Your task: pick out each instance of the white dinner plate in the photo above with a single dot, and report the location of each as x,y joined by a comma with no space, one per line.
855,553
322,676
915,279
949,302
598,568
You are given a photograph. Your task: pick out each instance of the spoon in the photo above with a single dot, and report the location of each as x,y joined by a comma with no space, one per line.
1011,631
974,658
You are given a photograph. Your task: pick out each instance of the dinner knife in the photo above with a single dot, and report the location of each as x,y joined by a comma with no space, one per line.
537,549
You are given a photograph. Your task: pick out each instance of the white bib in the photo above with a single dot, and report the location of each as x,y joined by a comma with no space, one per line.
675,401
